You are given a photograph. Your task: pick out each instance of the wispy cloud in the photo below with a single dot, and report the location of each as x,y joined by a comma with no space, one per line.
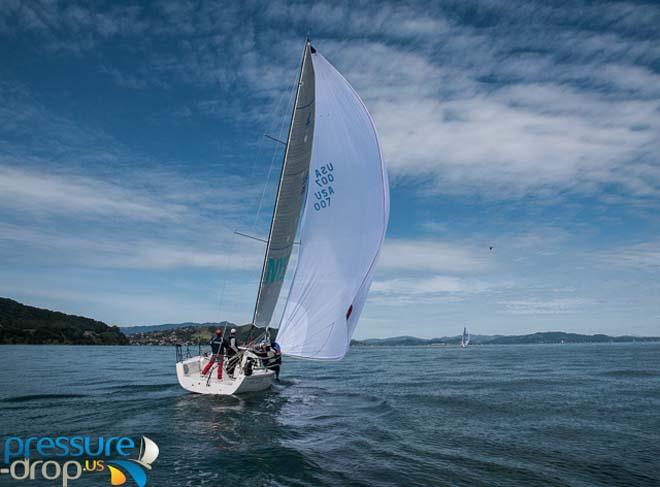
443,128
71,27
643,256
431,290
419,255
131,251
431,285
25,190
531,103
554,306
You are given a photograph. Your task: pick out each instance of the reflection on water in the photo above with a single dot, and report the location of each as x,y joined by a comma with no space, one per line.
527,415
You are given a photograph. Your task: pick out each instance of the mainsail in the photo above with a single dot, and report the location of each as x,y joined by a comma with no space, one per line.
290,195
343,224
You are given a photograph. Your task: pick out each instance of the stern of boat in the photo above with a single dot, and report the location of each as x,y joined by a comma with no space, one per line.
189,374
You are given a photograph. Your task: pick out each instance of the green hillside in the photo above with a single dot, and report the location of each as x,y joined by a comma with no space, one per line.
22,324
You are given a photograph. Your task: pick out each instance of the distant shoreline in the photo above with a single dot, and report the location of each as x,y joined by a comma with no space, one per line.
539,338
446,346
26,325
361,345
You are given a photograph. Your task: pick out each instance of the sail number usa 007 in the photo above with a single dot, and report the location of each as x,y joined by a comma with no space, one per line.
324,178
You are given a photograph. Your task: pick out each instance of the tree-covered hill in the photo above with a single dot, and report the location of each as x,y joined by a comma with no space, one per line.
22,324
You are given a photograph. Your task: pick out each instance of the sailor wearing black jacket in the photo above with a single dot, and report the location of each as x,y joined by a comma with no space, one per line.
217,343
217,350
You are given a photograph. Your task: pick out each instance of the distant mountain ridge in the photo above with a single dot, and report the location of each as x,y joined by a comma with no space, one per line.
538,338
193,333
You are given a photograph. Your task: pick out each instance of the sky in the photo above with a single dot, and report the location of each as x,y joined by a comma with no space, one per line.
132,147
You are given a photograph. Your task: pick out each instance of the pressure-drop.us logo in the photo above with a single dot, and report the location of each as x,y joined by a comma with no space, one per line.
67,458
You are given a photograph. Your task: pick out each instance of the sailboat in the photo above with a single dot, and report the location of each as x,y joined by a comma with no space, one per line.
465,338
333,191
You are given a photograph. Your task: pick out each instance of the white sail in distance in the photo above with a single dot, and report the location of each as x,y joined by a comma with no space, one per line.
343,225
465,338
290,195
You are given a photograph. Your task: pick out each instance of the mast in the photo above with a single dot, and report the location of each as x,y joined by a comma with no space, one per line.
281,264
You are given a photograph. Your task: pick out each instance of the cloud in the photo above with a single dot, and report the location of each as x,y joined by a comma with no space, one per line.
428,290
643,256
533,102
427,272
71,27
50,164
29,131
384,19
32,191
126,80
552,306
447,132
154,255
430,285
96,249
419,255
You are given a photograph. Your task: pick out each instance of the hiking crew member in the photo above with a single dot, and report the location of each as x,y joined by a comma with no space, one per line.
275,358
271,356
217,350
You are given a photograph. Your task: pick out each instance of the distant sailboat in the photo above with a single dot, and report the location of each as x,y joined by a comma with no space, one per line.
465,338
334,189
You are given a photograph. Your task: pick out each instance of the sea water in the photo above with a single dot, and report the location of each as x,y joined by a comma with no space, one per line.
529,415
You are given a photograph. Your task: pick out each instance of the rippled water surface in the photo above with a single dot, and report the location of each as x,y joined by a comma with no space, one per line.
578,415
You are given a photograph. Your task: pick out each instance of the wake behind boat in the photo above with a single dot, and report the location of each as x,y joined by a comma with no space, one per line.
334,190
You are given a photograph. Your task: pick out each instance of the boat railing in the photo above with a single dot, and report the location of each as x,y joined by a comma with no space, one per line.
182,354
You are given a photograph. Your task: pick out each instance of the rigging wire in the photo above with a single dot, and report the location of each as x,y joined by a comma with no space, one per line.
292,100
276,150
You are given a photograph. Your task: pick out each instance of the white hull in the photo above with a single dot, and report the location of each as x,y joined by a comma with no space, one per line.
189,373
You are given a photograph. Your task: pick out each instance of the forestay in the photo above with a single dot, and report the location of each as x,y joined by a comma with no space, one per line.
343,225
290,195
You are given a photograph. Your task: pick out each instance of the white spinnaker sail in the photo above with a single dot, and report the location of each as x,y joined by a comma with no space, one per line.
343,225
290,195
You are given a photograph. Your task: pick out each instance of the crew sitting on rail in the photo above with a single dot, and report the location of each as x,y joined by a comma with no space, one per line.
271,357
